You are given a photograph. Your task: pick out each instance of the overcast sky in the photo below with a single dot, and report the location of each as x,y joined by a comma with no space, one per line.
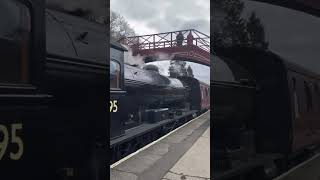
157,16
291,34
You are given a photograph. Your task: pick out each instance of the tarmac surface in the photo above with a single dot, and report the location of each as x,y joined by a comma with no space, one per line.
183,154
195,164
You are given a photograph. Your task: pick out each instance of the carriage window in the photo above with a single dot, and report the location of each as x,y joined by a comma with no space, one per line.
295,98
316,88
114,74
308,96
15,30
207,94
317,93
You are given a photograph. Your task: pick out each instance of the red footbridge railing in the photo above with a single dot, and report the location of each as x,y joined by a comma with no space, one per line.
169,39
189,45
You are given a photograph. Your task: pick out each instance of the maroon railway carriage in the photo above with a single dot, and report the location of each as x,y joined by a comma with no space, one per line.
205,96
267,111
199,93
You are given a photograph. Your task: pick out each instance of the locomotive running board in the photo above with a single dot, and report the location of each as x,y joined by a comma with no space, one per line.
145,128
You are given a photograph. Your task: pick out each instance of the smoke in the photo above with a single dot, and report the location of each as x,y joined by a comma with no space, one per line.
96,9
163,56
139,60
133,60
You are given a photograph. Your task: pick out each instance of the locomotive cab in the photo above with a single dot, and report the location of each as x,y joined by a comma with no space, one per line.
23,108
117,91
51,97
74,72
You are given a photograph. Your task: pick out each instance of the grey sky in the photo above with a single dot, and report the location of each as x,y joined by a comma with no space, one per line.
157,16
291,34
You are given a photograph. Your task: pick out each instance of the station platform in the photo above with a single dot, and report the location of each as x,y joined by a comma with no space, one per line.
308,170
182,154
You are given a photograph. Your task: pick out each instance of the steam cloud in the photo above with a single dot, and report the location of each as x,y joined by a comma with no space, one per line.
164,56
139,60
130,59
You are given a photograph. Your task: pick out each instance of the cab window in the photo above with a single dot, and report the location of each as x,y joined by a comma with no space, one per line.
207,94
308,96
115,74
15,31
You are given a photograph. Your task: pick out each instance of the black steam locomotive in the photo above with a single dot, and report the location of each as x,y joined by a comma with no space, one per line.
143,102
52,90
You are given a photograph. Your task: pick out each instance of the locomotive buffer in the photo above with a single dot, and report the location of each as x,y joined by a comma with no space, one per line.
182,154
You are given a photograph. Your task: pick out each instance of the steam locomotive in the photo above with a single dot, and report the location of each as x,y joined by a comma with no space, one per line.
53,75
143,101
266,116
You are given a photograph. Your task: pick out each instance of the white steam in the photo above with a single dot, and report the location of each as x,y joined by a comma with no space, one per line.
163,56
133,60
163,65
139,60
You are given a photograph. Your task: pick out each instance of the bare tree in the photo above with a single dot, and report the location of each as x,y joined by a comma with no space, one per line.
119,27
234,29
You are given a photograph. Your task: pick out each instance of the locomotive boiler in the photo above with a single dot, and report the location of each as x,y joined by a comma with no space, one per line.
152,94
